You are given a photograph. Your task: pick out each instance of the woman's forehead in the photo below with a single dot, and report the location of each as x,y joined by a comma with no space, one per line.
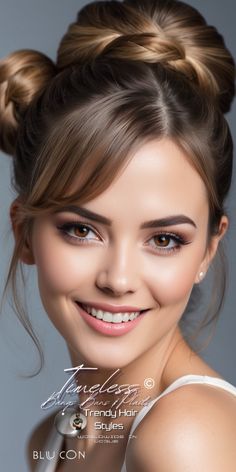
158,176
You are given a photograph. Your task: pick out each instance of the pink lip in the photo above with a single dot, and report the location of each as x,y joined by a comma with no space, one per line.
109,329
113,308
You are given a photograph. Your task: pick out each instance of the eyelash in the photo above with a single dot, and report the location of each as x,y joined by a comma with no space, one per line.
66,227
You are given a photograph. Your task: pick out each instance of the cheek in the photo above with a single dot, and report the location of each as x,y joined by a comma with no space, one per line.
60,268
171,279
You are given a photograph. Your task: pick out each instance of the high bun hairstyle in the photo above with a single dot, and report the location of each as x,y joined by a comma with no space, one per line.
155,31
126,73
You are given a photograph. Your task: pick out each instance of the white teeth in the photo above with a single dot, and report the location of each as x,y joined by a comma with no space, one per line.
107,317
111,317
117,318
99,314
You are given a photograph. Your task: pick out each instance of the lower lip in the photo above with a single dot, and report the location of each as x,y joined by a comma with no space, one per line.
110,329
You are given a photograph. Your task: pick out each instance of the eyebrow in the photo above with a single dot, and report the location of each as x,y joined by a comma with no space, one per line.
157,223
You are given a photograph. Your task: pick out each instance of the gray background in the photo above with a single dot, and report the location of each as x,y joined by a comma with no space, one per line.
40,25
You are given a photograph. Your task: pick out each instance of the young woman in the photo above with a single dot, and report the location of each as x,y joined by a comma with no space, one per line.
122,162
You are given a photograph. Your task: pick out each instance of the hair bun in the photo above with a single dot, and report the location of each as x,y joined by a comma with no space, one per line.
164,31
206,61
23,75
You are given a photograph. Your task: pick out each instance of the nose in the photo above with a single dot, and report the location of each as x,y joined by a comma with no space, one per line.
118,274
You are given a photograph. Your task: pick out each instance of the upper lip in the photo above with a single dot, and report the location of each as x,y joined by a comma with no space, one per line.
112,308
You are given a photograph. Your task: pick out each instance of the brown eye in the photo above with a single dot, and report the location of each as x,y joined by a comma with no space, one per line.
167,243
162,240
81,231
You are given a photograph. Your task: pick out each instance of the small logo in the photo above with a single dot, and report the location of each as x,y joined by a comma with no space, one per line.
78,421
149,383
69,423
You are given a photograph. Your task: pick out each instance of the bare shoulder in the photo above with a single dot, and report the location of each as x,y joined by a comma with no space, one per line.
193,428
37,440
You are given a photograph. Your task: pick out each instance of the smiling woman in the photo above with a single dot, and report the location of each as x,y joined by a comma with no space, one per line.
122,162
105,257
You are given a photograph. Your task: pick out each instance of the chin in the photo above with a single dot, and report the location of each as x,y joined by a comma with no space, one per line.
105,362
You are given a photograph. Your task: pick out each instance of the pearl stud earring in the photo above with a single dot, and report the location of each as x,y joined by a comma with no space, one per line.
201,275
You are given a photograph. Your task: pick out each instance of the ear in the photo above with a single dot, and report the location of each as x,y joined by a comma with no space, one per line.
26,254
212,249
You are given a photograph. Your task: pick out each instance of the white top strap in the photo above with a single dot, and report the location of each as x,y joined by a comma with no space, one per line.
185,380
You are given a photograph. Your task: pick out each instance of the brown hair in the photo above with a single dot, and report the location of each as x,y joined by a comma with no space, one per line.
126,73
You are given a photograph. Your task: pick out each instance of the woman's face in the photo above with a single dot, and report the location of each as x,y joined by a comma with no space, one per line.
143,250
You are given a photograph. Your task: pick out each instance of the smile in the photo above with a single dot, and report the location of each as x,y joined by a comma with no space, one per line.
111,323
111,317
